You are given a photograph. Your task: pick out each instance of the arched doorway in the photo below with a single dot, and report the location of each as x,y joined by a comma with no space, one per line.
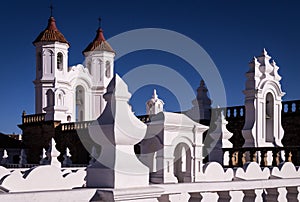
182,163
269,118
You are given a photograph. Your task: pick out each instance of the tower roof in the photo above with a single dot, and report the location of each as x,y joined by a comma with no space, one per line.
99,43
51,33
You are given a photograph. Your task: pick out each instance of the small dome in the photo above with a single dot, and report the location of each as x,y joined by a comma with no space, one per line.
51,34
99,43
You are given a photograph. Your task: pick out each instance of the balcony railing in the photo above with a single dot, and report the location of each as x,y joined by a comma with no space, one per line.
75,126
264,156
33,118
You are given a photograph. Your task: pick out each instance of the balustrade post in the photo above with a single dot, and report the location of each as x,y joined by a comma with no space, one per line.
231,158
224,196
253,156
210,196
263,157
269,158
276,194
288,155
226,158
241,159
164,198
293,194
276,157
236,195
195,197
253,195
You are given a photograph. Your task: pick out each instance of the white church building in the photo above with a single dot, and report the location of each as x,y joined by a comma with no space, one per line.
74,93
170,165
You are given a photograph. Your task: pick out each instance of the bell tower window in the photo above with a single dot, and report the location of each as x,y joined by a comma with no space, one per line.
60,61
50,98
107,69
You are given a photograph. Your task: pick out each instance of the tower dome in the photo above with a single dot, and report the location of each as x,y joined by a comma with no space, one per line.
154,105
98,44
51,33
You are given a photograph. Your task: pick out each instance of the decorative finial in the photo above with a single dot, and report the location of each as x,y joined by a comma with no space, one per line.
99,22
51,9
202,83
54,154
154,94
264,52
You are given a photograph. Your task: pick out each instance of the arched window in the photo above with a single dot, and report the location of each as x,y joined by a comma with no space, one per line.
50,98
48,62
269,118
80,102
60,100
60,61
69,118
182,162
107,69
89,66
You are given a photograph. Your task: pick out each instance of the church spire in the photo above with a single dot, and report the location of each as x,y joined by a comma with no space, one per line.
51,9
99,43
154,105
51,33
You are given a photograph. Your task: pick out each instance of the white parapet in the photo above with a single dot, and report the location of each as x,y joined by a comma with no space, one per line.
117,130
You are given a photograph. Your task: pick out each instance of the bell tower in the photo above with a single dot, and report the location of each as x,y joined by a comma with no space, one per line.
154,105
51,67
99,60
263,104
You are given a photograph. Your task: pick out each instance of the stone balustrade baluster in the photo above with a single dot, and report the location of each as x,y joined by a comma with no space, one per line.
253,155
263,157
236,195
209,196
276,194
293,193
253,195
269,158
224,196
276,157
195,197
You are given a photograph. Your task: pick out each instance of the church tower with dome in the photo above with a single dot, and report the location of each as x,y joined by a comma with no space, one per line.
69,94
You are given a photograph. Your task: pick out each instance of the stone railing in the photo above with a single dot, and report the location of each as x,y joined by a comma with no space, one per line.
15,165
75,126
292,106
264,156
33,118
250,190
235,112
248,183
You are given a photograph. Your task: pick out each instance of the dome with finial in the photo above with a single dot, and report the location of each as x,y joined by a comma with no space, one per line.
99,43
51,33
154,105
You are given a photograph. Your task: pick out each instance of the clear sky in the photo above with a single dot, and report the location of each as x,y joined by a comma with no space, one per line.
231,32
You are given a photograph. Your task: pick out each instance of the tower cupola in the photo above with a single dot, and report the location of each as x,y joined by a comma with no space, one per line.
51,33
98,44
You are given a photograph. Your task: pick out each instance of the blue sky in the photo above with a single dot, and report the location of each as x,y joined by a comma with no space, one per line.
231,32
